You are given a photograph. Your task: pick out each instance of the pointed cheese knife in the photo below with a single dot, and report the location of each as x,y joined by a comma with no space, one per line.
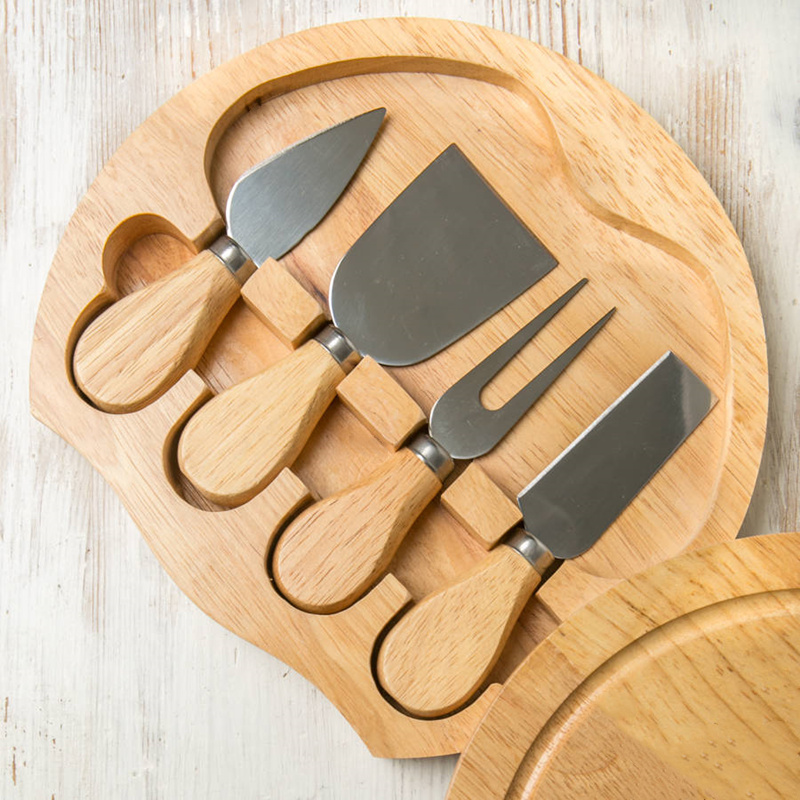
134,351
444,256
331,553
440,653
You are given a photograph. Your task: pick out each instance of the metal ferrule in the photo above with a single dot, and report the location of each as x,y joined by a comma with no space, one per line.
339,346
432,454
229,253
531,549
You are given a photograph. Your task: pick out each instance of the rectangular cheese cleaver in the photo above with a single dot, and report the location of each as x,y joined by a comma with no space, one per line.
439,654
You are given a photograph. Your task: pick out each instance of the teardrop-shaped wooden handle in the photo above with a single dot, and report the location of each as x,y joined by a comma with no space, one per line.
239,441
337,548
439,654
134,351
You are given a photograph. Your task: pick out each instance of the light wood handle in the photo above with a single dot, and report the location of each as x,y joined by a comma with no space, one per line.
239,441
439,654
335,550
134,351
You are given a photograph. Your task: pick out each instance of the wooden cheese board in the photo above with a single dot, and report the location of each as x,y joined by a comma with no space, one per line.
600,183
680,683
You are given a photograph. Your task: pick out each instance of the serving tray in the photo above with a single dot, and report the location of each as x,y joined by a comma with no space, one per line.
680,683
603,186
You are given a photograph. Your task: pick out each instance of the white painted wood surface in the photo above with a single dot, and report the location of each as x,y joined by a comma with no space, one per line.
112,684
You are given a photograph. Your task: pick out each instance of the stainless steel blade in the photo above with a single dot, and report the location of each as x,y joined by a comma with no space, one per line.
569,505
276,203
443,257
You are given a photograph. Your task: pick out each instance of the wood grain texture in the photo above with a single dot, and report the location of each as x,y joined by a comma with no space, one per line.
442,650
687,301
380,403
139,347
241,439
187,701
662,282
335,550
654,691
480,506
282,304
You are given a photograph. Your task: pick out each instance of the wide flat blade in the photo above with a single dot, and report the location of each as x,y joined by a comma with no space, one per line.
572,501
276,203
443,257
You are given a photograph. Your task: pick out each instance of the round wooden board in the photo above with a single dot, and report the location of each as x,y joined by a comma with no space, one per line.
609,193
683,682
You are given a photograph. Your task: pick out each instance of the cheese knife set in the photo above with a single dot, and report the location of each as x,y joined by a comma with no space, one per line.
444,256
533,339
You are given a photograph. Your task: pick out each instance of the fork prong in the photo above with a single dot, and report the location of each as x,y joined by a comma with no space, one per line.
459,420
497,359
519,404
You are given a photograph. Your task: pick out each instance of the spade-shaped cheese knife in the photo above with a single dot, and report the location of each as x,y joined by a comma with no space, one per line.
444,256
337,548
139,347
440,653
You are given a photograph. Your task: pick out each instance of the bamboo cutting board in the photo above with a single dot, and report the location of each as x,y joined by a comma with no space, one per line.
589,172
681,683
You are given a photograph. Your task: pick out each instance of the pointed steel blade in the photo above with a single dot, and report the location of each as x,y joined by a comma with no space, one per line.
569,505
443,257
276,203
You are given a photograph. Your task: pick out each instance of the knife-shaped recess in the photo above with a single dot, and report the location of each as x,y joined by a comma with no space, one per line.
332,553
441,652
415,281
140,346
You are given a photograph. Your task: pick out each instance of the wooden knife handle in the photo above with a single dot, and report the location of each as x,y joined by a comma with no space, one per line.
134,351
239,441
439,654
337,548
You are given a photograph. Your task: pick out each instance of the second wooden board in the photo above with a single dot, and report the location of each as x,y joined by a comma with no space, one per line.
681,683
